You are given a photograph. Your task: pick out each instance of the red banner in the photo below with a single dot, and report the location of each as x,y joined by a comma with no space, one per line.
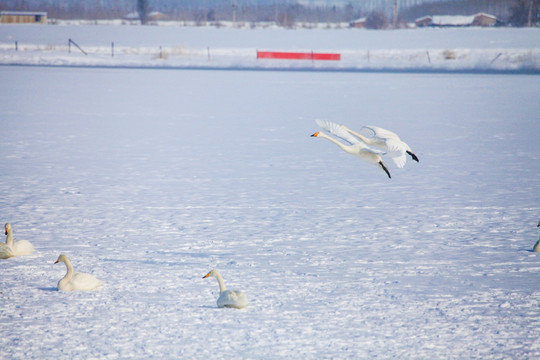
297,55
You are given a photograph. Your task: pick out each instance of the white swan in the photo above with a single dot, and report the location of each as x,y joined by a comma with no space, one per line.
5,251
76,281
387,141
536,247
228,298
18,248
356,147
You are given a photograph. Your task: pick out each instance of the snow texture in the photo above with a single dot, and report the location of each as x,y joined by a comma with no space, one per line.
147,179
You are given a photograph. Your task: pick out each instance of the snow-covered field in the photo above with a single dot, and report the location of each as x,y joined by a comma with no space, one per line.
150,178
426,50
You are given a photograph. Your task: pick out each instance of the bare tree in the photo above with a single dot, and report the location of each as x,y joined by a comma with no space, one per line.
143,8
525,13
377,20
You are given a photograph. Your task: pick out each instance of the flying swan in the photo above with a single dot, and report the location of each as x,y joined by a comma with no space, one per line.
356,147
228,298
536,247
73,281
14,248
387,141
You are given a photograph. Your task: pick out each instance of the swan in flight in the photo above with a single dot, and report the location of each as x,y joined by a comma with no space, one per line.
356,147
18,248
387,141
73,281
536,247
228,298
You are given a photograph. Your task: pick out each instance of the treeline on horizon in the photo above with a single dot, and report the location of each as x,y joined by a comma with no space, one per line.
283,12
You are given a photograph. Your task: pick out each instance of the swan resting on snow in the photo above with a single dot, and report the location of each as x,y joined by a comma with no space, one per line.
536,247
14,248
357,148
228,298
73,281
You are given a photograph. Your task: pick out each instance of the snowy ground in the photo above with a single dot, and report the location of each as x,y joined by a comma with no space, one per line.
149,178
426,50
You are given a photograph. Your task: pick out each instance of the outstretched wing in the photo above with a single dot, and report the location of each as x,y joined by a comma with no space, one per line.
381,133
338,131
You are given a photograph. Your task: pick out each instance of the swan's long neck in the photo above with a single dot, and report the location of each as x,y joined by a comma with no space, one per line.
69,273
9,238
220,281
342,146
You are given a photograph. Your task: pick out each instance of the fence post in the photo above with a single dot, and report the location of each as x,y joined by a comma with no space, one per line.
112,49
16,46
428,58
496,57
77,45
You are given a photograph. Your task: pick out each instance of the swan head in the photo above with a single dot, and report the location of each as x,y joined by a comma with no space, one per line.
538,224
7,228
212,272
62,258
316,134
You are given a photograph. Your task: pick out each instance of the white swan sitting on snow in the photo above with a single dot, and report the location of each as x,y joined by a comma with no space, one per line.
18,248
387,141
73,281
536,247
5,251
356,147
228,298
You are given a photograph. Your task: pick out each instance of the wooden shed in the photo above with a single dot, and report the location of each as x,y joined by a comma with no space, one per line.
482,19
23,17
358,23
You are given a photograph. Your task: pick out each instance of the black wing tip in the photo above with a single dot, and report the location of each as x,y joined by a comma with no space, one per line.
414,157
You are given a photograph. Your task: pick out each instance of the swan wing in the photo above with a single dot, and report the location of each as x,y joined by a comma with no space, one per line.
23,247
400,160
83,281
381,133
232,298
396,150
337,130
6,252
362,147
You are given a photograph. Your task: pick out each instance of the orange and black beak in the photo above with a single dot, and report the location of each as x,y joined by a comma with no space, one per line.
315,135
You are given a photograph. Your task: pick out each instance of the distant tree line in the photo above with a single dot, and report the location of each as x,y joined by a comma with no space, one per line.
287,13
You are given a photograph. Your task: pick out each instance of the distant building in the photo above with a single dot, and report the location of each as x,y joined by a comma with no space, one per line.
23,17
479,19
482,19
358,23
153,16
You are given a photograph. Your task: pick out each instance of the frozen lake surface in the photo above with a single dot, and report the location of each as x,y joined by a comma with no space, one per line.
150,178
